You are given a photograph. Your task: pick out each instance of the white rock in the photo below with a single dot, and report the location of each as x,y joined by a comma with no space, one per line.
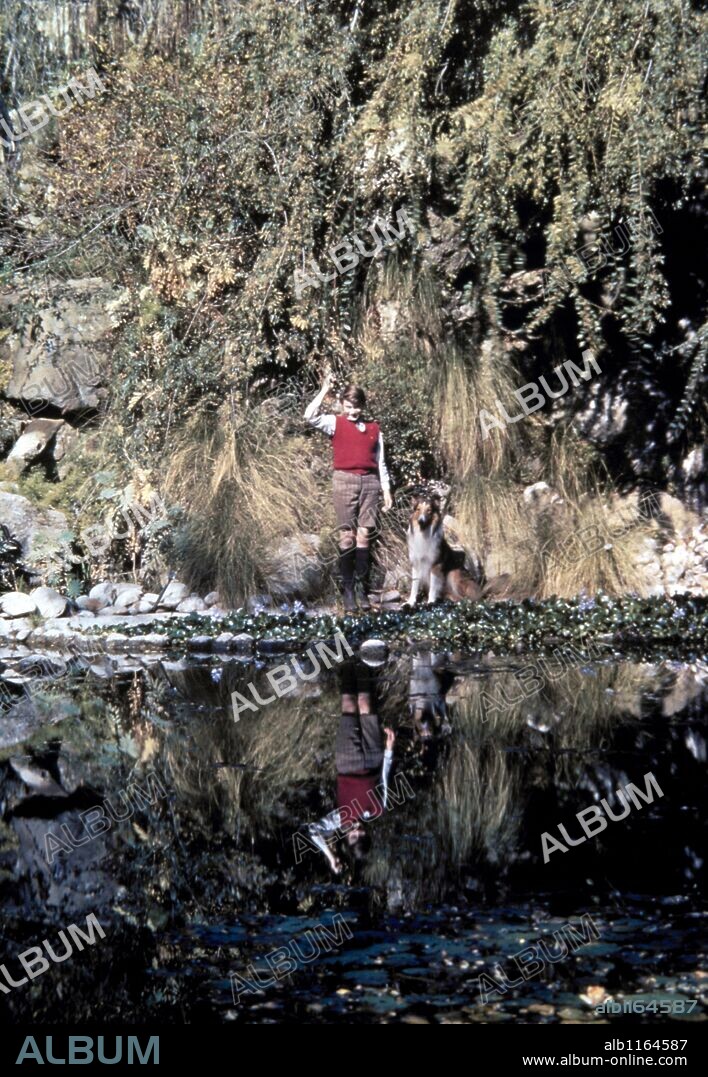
128,596
174,594
92,604
193,604
212,599
103,592
127,586
33,441
373,652
49,602
15,604
242,641
146,604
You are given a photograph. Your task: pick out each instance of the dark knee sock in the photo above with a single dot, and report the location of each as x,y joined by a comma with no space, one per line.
346,566
362,563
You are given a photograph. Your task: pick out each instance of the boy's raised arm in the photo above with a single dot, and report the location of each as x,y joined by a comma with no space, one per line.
312,411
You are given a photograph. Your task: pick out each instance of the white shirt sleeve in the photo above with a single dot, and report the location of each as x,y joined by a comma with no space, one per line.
385,771
325,423
319,832
384,477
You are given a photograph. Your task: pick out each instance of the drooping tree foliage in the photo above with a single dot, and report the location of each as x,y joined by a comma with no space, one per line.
546,154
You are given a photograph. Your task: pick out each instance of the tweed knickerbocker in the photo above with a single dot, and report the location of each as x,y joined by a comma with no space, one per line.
359,748
356,499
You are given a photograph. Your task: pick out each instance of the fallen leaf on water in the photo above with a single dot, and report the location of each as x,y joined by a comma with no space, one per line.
594,995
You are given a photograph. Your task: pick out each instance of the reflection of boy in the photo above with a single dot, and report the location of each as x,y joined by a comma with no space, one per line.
363,762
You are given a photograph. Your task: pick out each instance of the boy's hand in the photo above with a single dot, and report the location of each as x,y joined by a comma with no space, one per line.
326,383
390,739
388,501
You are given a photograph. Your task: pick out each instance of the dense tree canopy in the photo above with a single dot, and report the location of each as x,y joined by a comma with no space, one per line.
546,155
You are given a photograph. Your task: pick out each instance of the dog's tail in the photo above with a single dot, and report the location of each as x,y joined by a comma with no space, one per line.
461,585
500,587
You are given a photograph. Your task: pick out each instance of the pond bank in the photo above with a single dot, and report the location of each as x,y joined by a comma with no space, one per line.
675,626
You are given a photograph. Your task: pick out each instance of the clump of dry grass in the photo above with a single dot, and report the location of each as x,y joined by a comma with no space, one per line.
464,389
560,544
244,487
595,553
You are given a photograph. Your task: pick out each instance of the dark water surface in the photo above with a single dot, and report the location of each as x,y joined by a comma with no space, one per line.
217,906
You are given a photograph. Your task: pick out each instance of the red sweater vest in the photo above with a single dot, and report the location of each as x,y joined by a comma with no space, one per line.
353,450
358,793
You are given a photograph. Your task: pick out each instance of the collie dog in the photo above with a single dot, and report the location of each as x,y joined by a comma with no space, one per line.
439,568
434,564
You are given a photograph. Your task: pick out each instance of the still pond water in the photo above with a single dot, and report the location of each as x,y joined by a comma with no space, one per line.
209,853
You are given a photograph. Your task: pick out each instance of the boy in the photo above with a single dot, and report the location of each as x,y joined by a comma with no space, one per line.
363,757
360,475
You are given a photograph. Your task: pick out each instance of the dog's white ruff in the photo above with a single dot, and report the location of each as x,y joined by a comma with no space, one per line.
424,552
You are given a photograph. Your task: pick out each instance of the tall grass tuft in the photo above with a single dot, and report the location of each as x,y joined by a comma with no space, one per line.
245,488
562,540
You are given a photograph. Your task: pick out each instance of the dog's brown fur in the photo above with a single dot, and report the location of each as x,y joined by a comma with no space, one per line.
436,565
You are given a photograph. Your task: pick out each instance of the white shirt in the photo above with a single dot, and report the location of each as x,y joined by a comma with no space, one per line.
328,826
327,424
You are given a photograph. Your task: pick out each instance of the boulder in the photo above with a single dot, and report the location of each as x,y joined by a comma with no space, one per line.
49,602
66,440
200,643
175,593
242,642
373,652
212,599
89,605
16,604
293,567
60,359
127,595
193,604
32,442
36,529
103,592
269,646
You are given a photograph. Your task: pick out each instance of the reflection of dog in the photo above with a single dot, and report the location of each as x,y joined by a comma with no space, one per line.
435,565
428,685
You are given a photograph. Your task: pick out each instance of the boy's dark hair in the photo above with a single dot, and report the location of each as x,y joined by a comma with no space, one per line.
355,395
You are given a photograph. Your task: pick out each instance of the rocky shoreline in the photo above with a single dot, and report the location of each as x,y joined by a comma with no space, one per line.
675,626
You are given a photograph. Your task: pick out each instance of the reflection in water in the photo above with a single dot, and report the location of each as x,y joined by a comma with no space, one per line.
385,792
363,758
